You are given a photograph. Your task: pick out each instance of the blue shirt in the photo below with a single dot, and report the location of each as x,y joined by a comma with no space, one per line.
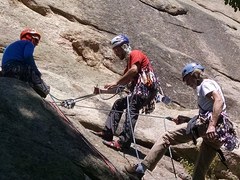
21,51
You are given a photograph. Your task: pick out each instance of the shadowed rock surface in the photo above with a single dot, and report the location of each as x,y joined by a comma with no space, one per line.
74,55
37,142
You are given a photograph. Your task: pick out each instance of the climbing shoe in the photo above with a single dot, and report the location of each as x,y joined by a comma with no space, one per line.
113,144
135,172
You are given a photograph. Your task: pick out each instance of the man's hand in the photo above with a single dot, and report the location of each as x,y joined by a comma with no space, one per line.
111,85
96,90
111,90
181,119
178,120
211,132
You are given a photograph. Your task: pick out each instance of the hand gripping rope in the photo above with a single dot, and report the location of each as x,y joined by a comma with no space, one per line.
70,103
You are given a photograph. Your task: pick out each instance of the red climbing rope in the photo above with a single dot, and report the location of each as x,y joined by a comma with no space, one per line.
97,153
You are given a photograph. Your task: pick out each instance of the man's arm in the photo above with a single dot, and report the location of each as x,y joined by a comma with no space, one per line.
217,109
181,119
104,91
29,59
126,78
129,75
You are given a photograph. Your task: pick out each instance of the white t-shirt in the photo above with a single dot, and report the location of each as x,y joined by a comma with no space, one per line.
207,86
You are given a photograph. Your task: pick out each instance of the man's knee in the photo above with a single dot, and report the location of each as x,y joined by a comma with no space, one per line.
12,72
166,139
42,89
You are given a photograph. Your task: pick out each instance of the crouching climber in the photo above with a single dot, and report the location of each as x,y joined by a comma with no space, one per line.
212,124
18,61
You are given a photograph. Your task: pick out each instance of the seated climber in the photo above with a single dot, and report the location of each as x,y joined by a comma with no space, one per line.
18,61
212,124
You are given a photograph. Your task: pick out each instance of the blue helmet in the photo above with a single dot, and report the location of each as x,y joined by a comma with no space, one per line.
119,40
190,68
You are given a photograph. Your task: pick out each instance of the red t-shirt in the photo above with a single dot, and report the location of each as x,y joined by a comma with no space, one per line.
137,56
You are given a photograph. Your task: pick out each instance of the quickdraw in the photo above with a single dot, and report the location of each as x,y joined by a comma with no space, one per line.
68,103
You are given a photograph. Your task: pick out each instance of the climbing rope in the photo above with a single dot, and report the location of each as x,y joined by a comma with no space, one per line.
169,148
119,91
70,103
132,131
95,151
60,103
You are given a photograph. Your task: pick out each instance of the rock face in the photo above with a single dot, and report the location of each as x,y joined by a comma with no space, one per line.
74,55
37,142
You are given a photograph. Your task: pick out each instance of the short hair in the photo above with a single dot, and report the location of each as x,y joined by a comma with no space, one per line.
198,74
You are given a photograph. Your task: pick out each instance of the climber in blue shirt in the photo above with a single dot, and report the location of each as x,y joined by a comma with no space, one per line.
18,61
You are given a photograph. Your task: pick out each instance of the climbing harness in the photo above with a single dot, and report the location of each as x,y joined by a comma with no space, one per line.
146,89
28,74
224,129
227,134
146,83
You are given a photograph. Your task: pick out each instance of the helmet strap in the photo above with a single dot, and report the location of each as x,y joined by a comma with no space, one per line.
127,48
31,38
35,40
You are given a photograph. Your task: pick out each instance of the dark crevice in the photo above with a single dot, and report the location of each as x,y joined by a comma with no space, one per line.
35,7
73,18
232,27
193,30
179,104
217,12
175,13
230,77
63,14
46,10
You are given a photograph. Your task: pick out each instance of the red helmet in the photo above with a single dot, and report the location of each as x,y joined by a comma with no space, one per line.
30,34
